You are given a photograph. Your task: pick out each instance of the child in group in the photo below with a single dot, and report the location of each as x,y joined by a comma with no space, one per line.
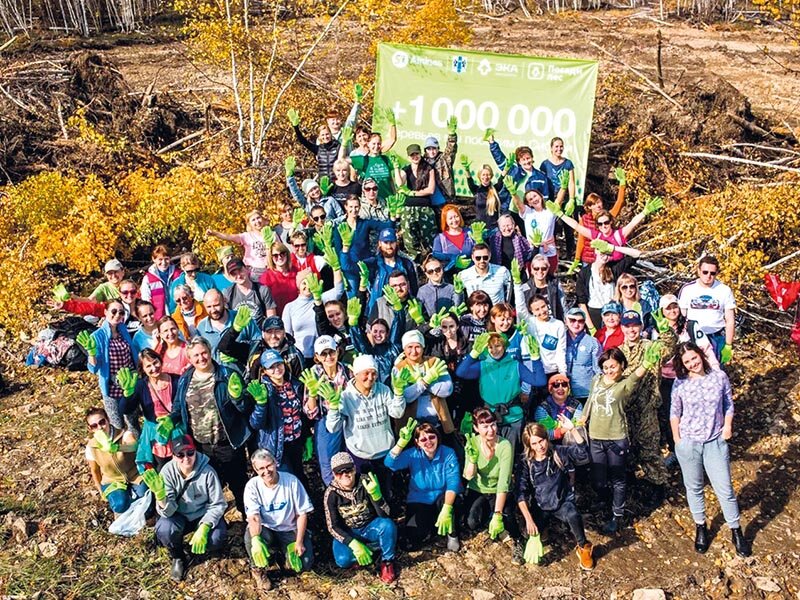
255,251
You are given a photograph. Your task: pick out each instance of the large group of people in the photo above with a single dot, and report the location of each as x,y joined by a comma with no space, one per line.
371,331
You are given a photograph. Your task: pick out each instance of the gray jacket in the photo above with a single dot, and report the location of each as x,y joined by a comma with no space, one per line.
199,496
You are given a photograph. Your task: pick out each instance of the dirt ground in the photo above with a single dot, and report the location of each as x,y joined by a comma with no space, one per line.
53,538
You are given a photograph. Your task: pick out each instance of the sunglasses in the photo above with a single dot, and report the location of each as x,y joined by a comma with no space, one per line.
482,257
185,299
433,270
318,218
185,454
559,384
426,438
628,287
327,353
345,471
539,268
709,272
371,189
190,271
281,255
128,292
98,424
601,223
116,311
574,320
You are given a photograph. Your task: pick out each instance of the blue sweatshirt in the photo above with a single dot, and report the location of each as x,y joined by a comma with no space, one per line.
430,478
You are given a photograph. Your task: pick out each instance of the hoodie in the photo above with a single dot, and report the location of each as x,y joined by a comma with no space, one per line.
198,496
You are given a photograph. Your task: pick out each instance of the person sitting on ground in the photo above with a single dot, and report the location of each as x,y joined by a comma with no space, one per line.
543,484
277,508
158,280
255,251
111,454
357,517
189,499
435,482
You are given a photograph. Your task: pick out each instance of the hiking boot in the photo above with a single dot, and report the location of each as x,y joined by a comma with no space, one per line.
388,573
518,553
612,526
701,539
741,545
178,570
585,556
261,579
453,543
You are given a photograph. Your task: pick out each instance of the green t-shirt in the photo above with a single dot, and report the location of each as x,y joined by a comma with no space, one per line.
605,407
105,292
377,167
493,476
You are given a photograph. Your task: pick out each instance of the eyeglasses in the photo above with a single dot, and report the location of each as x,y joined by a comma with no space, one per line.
191,271
559,384
482,257
116,311
185,299
128,292
631,286
426,438
601,223
185,454
298,245
433,270
318,218
281,255
371,189
708,272
98,424
540,268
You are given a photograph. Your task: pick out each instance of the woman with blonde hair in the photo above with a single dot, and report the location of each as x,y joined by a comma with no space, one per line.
255,250
491,199
280,276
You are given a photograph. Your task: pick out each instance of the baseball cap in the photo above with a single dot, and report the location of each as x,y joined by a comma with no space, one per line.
387,235
269,358
631,317
234,263
576,312
342,461
182,443
113,265
363,362
273,322
431,142
413,149
666,300
325,342
612,307
223,253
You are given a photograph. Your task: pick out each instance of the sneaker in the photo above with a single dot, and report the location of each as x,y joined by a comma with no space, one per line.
388,573
585,556
178,570
261,579
453,543
518,553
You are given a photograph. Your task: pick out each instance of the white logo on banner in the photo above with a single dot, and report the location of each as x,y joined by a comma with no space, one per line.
484,67
400,59
535,71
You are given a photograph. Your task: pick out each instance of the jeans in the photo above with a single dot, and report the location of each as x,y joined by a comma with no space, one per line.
694,458
566,513
608,469
479,509
513,433
170,532
231,466
327,445
380,533
278,541
120,500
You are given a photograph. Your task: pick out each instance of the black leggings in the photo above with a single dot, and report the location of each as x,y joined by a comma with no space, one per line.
479,508
608,470
566,513
421,521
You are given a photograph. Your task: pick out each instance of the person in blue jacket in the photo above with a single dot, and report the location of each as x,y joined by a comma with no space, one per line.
191,275
434,485
583,351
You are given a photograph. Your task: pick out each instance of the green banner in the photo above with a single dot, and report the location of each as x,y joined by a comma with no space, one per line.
528,101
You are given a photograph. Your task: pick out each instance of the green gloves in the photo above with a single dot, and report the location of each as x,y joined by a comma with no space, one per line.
437,318
726,354
459,310
653,205
444,522
298,214
395,204
113,487
258,391
242,317
347,135
522,327
330,256
392,298
661,321
199,540
394,160
510,185
452,125
400,381
471,452
403,190
259,551
289,165
574,266
496,526
488,135
353,311
415,311
294,117
363,275
308,379
477,230
536,237
331,395
602,246
268,236
155,483
534,550
570,207
60,293
87,342
126,379
554,208
361,551
346,234
358,92
458,284
434,371
314,286
652,356
370,483
563,179
479,345
235,386
619,174
325,184
164,426
390,117
292,556
533,346
406,432
511,160
462,262
105,443
465,162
